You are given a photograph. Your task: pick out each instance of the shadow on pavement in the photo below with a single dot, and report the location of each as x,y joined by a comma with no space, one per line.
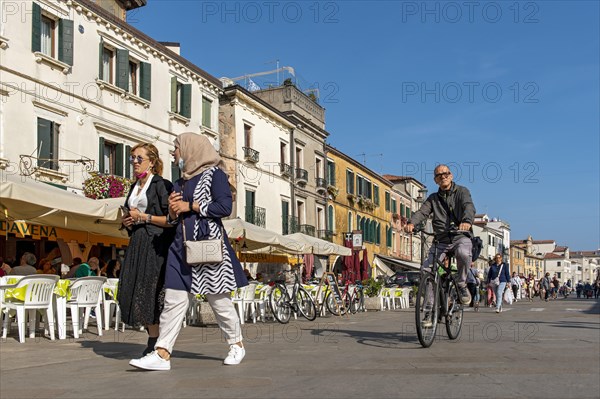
127,350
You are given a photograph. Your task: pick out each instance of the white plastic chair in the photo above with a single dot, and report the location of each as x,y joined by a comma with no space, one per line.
86,293
108,301
39,293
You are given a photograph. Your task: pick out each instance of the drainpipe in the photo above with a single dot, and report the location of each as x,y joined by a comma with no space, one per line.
292,176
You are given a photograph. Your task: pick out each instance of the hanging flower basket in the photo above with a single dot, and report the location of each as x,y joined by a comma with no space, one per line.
106,186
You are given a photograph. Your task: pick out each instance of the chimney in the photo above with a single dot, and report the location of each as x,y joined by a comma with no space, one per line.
173,46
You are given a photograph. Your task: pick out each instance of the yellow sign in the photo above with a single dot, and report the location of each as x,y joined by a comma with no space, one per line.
23,229
266,258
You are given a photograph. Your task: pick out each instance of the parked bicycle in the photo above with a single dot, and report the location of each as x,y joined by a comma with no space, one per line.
283,302
352,299
438,299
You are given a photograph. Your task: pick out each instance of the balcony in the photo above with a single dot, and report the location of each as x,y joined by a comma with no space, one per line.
256,215
289,224
307,229
321,185
285,169
301,176
325,235
251,155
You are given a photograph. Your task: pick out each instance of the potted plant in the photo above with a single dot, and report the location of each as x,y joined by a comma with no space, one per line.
101,186
371,290
395,216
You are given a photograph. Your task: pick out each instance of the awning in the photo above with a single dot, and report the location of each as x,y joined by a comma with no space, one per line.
320,247
398,264
25,199
380,268
256,237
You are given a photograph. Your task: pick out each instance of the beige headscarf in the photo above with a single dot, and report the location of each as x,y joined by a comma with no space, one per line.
197,153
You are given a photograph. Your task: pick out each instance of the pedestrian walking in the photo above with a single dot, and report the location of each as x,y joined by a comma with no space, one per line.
498,277
515,283
141,279
199,200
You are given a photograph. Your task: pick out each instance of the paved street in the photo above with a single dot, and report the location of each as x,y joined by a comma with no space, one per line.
534,349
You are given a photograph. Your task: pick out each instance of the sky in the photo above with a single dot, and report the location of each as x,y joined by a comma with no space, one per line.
506,93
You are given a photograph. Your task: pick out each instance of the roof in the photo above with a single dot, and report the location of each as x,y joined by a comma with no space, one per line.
543,241
148,40
396,179
585,253
552,255
560,249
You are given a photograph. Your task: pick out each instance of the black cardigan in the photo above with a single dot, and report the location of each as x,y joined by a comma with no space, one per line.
158,202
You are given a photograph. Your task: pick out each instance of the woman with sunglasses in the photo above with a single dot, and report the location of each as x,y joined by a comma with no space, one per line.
141,284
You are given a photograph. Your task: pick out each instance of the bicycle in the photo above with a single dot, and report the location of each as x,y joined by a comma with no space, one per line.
437,297
283,302
351,300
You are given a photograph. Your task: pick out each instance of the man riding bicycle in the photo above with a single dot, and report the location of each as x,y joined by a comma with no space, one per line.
453,213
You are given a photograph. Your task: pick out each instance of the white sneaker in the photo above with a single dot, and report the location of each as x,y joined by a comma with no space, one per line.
235,355
151,362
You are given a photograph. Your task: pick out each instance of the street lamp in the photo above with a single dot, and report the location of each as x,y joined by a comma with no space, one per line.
422,196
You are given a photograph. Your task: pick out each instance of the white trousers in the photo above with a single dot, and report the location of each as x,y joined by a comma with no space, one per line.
176,305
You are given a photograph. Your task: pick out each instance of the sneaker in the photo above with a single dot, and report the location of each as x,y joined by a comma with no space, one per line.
465,295
497,310
151,362
427,322
235,355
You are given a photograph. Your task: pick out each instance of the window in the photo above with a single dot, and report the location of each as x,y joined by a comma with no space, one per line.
402,210
378,237
557,263
283,152
330,173
350,222
285,217
330,218
247,136
394,206
51,36
181,98
133,78
349,182
360,187
376,195
250,206
300,212
558,275
408,212
111,158
106,73
206,112
368,189
320,218
47,145
318,168
299,158
387,201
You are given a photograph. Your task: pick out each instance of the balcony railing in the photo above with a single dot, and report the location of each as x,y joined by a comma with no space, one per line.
285,169
321,185
289,224
325,235
250,154
256,215
301,176
307,229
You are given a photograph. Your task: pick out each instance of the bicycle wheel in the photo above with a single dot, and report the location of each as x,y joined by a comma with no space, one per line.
279,302
426,309
454,311
354,303
331,305
306,305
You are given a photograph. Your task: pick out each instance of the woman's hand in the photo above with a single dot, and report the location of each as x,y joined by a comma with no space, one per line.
136,215
127,220
177,205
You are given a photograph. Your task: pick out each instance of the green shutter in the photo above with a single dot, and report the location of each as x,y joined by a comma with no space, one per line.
285,212
101,59
145,80
174,94
36,28
127,163
44,148
119,160
122,80
206,110
101,155
65,41
175,174
186,100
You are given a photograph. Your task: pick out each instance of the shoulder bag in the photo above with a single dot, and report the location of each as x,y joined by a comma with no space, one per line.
200,252
496,282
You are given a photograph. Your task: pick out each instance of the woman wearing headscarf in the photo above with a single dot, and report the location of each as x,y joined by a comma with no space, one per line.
141,292
200,199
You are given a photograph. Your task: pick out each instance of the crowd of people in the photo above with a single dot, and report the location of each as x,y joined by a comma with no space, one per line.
29,265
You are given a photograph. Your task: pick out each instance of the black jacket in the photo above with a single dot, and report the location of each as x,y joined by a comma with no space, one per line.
158,202
459,203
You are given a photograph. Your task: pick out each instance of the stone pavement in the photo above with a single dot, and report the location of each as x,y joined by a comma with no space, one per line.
533,349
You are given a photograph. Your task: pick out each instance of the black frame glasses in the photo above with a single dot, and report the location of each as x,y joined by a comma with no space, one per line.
443,174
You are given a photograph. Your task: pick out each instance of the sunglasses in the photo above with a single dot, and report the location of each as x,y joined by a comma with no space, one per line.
172,152
443,174
138,159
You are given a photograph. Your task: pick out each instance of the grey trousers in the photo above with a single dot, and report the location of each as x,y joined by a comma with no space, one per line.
462,252
175,309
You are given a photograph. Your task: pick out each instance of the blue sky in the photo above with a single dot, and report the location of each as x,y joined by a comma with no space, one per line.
507,93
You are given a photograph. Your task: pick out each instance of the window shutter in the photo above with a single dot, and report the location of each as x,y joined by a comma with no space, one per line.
175,174
145,80
100,59
186,100
174,94
285,212
44,133
101,155
65,40
36,28
119,160
122,80
206,111
127,163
